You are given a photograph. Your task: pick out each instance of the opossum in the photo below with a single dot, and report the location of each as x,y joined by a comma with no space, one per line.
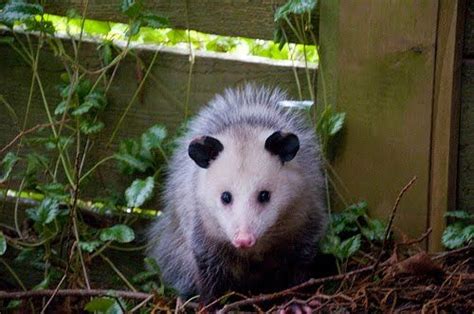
244,204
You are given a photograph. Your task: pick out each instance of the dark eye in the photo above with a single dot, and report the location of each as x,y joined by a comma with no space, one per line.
264,196
226,198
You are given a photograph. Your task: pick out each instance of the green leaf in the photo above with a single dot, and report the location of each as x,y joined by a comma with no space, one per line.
3,244
375,230
330,244
105,51
7,40
119,233
468,233
90,246
453,237
133,162
154,21
43,284
153,137
131,8
139,192
103,305
91,127
19,11
61,108
46,212
54,190
134,28
14,304
348,247
294,7
6,166
83,108
460,214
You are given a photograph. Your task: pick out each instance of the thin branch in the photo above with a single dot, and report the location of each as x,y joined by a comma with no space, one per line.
73,293
25,132
390,223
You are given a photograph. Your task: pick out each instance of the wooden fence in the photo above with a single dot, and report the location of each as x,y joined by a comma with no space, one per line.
392,66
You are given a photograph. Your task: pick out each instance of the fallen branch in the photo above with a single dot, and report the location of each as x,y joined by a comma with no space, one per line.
306,284
73,293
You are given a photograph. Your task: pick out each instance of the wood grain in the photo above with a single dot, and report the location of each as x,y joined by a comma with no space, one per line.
379,61
246,18
446,107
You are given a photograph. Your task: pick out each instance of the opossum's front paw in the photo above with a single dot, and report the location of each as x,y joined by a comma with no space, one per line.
296,309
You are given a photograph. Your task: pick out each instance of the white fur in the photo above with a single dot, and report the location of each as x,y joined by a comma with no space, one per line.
241,119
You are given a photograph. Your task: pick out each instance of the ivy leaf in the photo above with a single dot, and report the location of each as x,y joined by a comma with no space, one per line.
459,214
294,7
91,127
153,137
119,233
139,192
348,247
6,166
89,246
3,244
46,212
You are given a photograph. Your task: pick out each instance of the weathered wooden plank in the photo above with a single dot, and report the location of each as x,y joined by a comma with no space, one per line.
380,69
446,104
469,29
247,18
161,101
466,140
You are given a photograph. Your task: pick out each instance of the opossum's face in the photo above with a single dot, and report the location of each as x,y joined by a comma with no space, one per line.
246,183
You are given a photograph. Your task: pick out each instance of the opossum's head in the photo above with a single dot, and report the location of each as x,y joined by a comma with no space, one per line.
247,181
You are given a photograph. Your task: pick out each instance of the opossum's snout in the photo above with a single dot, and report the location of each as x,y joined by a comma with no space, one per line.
243,240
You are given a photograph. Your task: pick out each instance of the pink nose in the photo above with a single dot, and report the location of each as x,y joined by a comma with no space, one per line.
244,240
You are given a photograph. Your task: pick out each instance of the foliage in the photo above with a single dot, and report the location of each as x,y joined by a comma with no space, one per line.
329,124
139,192
141,155
110,32
104,305
460,232
347,230
3,244
30,15
139,18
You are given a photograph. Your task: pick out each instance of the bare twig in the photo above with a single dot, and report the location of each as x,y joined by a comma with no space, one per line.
390,223
306,284
25,132
73,293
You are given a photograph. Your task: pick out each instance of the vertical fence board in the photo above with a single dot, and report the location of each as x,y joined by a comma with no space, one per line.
446,105
383,67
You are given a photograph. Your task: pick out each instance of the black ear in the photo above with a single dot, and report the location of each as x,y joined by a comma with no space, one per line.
285,145
204,149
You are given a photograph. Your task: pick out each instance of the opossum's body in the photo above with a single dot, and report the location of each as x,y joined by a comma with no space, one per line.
208,243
